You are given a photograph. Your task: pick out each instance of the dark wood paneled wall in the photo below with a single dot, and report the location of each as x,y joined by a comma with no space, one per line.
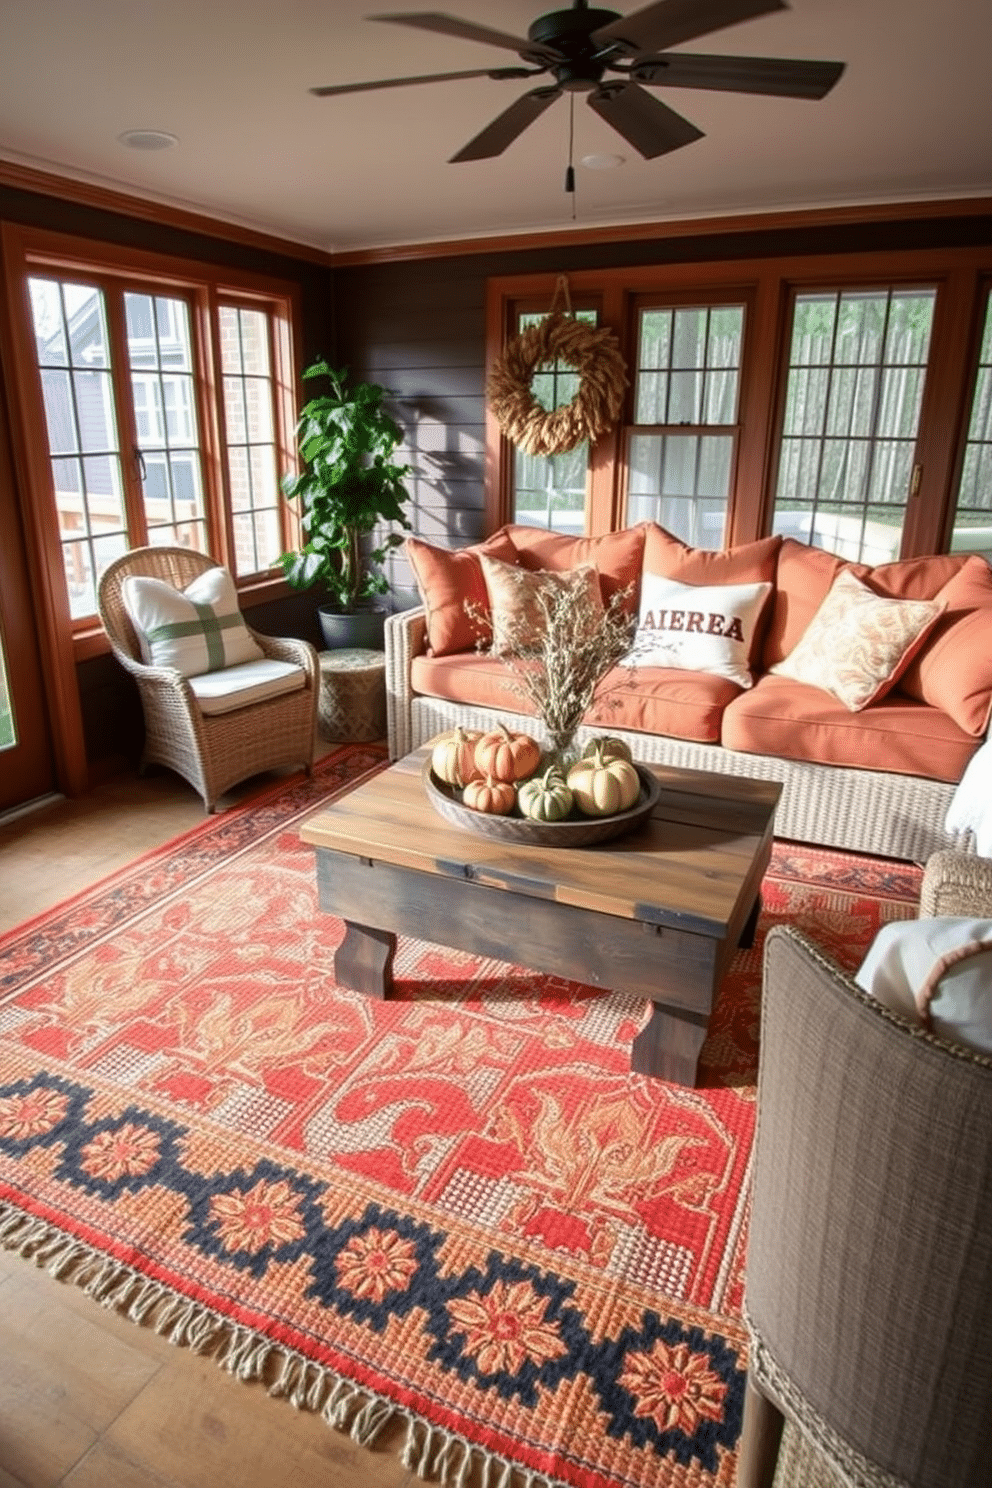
418,327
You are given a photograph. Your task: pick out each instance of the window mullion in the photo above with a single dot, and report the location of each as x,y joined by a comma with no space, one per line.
210,403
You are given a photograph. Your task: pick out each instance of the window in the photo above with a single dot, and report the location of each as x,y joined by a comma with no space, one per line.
164,406
550,490
163,389
250,420
972,532
852,408
687,377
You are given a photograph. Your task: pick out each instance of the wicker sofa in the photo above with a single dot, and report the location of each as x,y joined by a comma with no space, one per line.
878,781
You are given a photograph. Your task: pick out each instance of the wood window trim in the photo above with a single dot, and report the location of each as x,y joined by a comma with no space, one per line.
24,251
959,274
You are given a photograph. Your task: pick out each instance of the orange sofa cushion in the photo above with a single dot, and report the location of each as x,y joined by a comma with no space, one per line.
803,578
795,721
617,556
749,563
663,700
446,579
916,578
954,669
684,705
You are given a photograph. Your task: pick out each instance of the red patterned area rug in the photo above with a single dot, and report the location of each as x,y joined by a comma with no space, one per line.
458,1206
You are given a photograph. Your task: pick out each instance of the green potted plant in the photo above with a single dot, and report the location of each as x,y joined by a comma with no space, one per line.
348,486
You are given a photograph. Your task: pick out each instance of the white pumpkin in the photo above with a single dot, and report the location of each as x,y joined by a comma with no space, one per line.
602,787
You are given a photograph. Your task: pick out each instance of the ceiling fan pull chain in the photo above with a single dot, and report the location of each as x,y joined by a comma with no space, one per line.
570,171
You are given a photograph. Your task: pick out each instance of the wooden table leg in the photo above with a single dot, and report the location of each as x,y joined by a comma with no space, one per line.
668,1045
747,934
364,960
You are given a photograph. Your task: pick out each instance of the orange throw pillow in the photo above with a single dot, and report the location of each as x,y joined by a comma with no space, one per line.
953,672
446,579
617,556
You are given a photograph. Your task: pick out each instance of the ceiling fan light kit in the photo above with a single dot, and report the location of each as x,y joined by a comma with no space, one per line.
580,46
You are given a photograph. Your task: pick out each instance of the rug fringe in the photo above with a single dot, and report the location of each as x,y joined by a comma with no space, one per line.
432,1452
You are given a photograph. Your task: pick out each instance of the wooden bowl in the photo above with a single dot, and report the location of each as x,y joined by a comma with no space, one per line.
574,831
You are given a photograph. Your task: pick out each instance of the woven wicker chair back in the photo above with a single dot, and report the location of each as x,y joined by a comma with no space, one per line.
870,1248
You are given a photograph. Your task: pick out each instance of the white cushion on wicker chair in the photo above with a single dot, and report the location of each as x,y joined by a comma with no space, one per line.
251,682
195,630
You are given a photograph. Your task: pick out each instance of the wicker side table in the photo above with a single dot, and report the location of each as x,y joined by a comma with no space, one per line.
352,706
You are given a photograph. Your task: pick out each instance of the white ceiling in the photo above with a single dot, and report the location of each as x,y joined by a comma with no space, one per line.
910,119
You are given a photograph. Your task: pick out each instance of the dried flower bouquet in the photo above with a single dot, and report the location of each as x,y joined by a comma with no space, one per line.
558,647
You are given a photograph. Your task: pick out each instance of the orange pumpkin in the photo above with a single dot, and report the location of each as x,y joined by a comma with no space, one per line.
495,797
507,756
453,756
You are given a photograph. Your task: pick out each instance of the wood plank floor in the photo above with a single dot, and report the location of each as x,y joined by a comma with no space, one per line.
87,1398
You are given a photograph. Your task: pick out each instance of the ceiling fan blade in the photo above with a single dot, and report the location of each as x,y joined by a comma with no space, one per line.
431,77
645,122
432,20
512,122
784,77
669,22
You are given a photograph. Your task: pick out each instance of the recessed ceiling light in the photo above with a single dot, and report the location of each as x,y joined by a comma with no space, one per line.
602,162
148,139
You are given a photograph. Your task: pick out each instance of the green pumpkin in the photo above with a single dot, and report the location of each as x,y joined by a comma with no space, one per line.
545,797
609,747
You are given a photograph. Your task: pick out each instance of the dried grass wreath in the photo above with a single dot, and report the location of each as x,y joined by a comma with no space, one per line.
594,354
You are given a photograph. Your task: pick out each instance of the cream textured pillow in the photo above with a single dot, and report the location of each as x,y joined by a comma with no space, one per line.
696,627
937,972
194,630
858,642
515,599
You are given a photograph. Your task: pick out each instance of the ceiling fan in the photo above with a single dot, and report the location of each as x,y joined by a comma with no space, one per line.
580,46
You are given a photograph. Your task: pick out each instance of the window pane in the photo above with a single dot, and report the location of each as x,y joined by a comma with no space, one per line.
249,425
73,349
550,490
688,373
681,481
49,327
853,398
163,392
972,531
87,326
60,414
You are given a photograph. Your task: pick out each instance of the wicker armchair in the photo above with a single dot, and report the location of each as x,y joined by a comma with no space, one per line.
867,1296
213,752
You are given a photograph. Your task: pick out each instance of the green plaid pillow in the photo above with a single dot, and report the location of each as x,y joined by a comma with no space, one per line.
195,630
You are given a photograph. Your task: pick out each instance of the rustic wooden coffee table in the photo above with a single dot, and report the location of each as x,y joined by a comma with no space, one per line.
659,912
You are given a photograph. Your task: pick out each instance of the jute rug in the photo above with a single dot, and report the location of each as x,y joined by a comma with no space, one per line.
459,1206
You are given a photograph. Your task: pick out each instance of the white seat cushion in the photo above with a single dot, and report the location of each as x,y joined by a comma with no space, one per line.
237,686
197,629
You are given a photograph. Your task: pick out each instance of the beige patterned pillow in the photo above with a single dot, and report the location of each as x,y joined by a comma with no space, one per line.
858,642
515,599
